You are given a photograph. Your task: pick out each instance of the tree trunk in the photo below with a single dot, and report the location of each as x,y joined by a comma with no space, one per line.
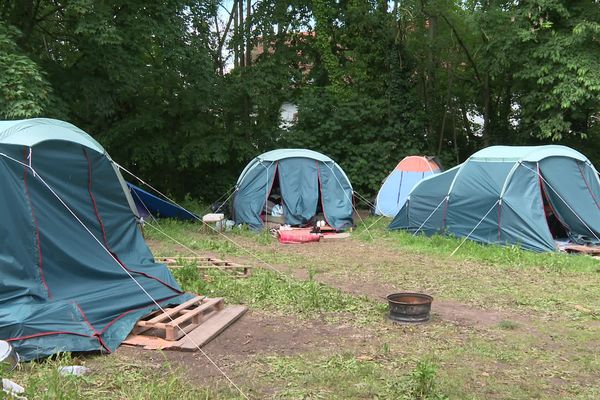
236,49
487,131
222,38
248,33
241,32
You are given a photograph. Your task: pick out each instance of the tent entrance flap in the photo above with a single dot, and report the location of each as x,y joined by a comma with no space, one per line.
298,179
558,229
561,178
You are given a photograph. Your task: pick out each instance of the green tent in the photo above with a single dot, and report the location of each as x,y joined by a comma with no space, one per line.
65,282
529,196
308,182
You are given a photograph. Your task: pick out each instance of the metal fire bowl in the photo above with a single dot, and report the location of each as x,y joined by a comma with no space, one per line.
409,307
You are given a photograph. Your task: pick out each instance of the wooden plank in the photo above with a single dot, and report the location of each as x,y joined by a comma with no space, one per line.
180,319
148,342
175,310
341,235
216,303
211,328
239,271
215,323
576,248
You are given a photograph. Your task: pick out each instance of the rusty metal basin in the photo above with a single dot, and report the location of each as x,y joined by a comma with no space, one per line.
409,307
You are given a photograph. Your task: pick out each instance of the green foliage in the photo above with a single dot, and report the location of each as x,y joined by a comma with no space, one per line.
561,41
374,80
23,87
350,131
423,385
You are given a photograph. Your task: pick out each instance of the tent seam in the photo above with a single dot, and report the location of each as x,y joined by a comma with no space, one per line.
321,192
97,212
588,186
37,230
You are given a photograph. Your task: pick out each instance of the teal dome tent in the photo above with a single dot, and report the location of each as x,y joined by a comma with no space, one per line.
66,282
527,196
307,182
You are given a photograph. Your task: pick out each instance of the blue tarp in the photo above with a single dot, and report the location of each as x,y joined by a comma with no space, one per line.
147,203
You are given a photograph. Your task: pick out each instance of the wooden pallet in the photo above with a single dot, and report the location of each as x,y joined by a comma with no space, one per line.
201,319
203,263
577,248
186,316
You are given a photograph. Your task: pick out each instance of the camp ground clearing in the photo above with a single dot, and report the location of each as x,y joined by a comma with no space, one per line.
81,288
507,323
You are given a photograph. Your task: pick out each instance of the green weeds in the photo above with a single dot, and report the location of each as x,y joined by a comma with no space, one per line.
111,377
268,291
344,376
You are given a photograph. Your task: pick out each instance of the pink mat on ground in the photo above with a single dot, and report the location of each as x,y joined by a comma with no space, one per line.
296,236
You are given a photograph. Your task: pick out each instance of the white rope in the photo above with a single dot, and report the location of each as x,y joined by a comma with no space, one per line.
373,224
35,174
349,199
158,229
269,266
365,200
476,226
433,212
226,200
563,200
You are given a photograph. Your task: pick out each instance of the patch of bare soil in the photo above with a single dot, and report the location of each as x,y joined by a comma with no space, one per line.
334,251
255,334
372,254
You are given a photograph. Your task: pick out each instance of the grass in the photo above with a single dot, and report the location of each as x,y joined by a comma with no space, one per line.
508,325
265,290
496,255
111,377
345,376
486,276
437,245
545,347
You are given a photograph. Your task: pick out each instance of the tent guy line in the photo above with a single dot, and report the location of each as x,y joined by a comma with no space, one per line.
350,200
433,212
269,266
158,229
476,226
43,181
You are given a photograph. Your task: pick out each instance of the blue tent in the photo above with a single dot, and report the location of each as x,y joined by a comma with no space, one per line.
308,182
147,203
528,196
400,181
65,283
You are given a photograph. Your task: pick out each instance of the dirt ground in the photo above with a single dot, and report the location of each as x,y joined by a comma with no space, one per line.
368,269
